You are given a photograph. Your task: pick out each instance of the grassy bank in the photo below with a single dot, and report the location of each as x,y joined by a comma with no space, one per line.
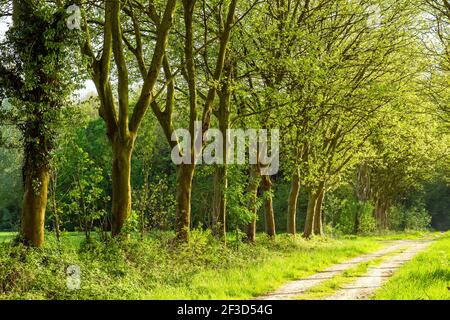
156,269
427,276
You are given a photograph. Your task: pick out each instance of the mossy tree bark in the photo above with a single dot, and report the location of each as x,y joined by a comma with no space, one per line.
164,113
185,174
36,181
252,190
121,184
219,226
186,171
382,206
219,201
292,204
122,125
309,221
318,212
56,218
268,206
35,40
313,222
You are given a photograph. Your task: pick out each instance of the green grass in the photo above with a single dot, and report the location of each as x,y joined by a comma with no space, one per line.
70,238
396,235
426,277
157,269
253,279
7,236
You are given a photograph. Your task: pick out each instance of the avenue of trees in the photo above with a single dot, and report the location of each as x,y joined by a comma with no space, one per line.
357,89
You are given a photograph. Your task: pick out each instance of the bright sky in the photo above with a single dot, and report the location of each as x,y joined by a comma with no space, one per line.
3,27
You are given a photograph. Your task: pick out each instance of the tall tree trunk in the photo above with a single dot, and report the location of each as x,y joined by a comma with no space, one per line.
362,192
221,179
143,199
357,222
309,222
386,208
362,186
292,205
185,174
82,207
34,204
219,201
382,206
318,216
121,184
253,195
36,176
268,206
376,211
56,222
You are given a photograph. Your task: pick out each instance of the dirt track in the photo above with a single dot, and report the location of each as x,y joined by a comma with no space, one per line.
364,286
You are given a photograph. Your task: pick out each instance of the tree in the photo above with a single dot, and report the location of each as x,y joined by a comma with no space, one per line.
190,84
122,124
36,78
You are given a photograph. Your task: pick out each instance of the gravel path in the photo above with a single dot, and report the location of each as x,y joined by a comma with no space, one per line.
364,286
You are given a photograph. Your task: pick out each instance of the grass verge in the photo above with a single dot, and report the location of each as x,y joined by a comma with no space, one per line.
157,269
425,277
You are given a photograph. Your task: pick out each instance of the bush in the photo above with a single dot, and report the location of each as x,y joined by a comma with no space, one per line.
417,219
396,218
123,268
368,223
401,218
8,219
154,204
349,216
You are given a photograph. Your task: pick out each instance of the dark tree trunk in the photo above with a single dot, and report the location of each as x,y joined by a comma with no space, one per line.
253,195
292,205
56,221
362,192
221,179
121,184
268,206
185,173
34,205
318,214
219,202
309,221
357,222
380,212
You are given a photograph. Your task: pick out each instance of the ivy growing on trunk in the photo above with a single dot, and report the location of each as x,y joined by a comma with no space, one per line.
36,78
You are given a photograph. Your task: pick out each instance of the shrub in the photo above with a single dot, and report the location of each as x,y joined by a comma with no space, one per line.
417,219
349,216
368,223
401,218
